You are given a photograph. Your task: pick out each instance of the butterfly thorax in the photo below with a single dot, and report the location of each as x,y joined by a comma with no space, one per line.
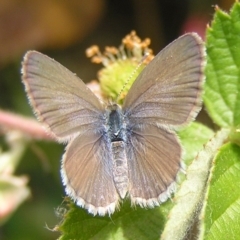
115,123
117,135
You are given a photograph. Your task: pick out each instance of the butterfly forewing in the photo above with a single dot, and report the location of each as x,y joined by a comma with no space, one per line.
60,99
87,173
167,91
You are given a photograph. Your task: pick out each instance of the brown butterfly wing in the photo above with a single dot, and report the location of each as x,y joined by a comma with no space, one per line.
87,173
59,98
154,160
168,90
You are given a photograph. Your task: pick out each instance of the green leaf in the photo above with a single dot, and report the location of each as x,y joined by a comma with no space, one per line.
221,215
193,138
222,88
128,223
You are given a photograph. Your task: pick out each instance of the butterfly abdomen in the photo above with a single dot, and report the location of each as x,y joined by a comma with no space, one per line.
120,168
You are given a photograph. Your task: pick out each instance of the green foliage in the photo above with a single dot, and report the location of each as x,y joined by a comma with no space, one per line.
222,97
128,223
221,217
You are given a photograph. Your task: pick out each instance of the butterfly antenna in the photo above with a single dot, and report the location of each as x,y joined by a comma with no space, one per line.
132,74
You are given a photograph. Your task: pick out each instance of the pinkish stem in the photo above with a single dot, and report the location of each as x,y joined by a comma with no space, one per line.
26,125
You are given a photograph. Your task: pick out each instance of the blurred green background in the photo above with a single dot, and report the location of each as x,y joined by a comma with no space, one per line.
63,30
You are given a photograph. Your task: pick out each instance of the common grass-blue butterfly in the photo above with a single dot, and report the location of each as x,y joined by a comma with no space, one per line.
115,151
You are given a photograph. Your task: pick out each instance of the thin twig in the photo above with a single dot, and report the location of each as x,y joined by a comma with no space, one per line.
26,125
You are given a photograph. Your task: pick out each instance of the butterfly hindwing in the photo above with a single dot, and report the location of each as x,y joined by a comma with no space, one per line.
154,156
87,173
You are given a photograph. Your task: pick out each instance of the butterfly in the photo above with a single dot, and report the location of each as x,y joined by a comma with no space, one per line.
116,151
